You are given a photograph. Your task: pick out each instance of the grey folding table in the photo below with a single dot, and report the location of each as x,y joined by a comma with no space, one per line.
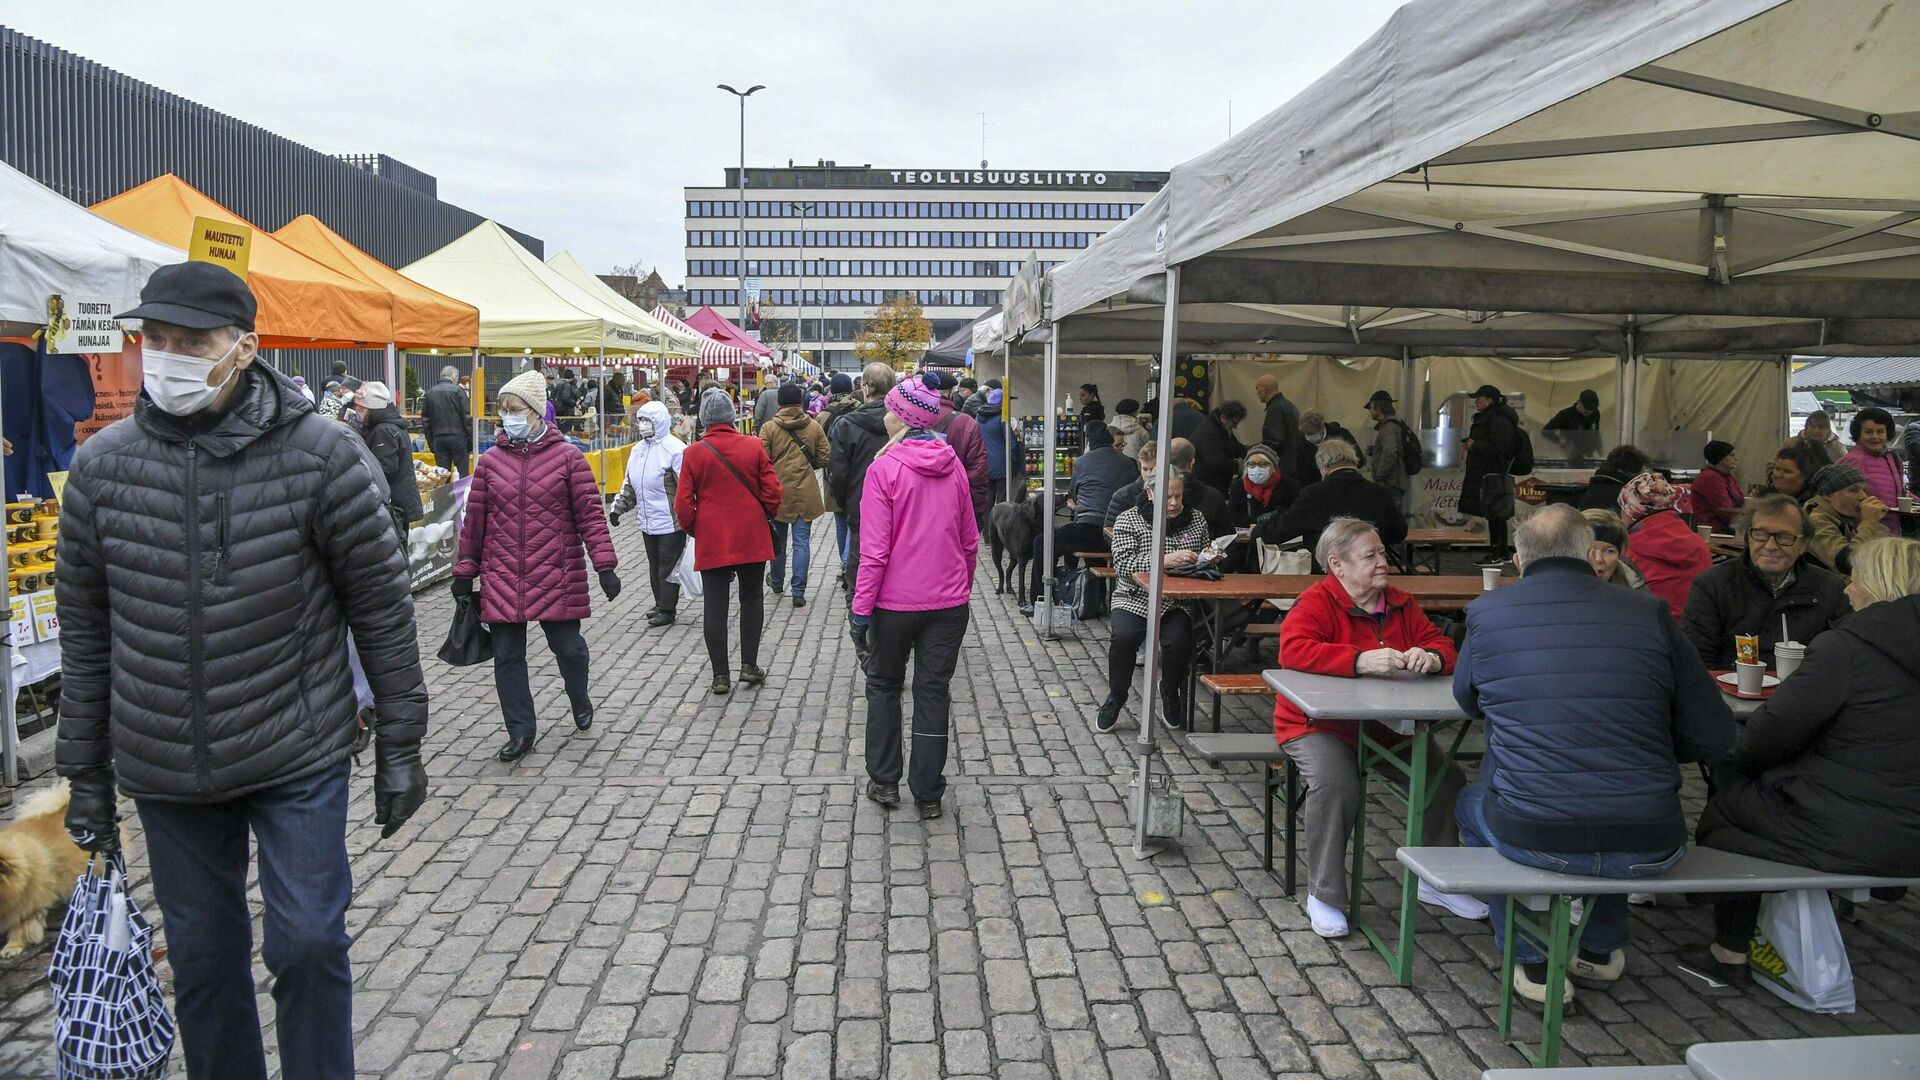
1405,704
1857,1057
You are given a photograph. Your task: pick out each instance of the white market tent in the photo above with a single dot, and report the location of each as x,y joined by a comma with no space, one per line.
674,342
525,304
1672,178
49,244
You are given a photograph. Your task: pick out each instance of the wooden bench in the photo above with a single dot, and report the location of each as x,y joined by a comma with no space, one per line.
1598,1072
1486,872
1259,747
1222,684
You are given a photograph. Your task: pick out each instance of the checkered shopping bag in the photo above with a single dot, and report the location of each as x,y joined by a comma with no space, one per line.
110,1019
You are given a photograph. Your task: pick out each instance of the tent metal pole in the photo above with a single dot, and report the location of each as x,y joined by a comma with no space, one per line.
1630,404
393,377
1147,746
9,722
1786,396
600,423
1406,379
1048,469
475,408
1620,392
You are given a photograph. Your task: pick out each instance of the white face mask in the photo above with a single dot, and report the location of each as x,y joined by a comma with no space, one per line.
1259,474
518,426
643,427
1317,438
177,382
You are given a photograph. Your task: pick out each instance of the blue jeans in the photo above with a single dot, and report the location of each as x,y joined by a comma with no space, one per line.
802,533
198,852
843,536
1606,916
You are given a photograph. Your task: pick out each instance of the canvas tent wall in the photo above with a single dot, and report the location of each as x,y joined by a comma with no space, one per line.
422,318
674,342
49,245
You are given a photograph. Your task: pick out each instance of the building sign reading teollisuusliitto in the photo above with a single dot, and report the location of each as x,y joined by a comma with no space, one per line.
832,176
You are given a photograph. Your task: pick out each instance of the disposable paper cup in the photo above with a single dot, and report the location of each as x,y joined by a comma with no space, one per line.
1489,578
1787,656
1906,504
1705,531
1750,678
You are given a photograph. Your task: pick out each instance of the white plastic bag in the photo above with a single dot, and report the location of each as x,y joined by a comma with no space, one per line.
1275,561
684,575
1797,952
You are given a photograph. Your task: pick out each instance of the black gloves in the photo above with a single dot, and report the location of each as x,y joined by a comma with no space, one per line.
613,518
610,584
399,783
462,587
92,818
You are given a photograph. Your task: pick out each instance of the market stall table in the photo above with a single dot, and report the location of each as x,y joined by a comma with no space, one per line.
1858,1057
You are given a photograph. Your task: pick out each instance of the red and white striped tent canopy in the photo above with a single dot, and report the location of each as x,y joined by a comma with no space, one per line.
712,353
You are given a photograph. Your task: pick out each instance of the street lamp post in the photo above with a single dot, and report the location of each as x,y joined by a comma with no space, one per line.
741,179
800,301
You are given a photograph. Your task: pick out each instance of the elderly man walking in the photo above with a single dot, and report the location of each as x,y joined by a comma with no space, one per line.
215,550
1592,699
449,422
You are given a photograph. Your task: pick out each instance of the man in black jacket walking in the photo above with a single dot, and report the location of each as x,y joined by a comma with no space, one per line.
215,550
449,422
854,440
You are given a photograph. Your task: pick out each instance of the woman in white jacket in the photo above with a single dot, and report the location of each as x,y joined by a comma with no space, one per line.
653,469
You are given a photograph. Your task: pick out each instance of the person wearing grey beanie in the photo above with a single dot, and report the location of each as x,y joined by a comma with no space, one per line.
716,408
1842,516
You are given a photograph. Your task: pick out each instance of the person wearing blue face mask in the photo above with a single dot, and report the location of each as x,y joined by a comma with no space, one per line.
204,642
534,518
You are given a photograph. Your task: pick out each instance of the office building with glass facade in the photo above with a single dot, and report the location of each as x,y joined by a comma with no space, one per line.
827,243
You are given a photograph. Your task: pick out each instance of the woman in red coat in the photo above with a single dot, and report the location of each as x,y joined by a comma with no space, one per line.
1667,551
533,517
1353,624
726,499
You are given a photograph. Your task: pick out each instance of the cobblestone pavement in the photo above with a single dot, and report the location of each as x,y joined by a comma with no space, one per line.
695,888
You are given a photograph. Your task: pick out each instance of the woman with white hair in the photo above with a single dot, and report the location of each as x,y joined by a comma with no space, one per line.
1353,624
1133,554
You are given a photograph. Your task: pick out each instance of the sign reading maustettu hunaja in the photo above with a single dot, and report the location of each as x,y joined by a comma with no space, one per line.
221,243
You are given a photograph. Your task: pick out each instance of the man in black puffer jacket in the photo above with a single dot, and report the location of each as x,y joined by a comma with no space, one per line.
215,549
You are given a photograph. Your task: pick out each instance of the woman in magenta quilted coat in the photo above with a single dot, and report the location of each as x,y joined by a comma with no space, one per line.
533,518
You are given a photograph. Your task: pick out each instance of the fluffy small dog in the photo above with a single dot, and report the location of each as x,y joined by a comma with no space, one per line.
1011,528
38,867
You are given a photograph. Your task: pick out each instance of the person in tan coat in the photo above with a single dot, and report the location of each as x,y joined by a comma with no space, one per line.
798,446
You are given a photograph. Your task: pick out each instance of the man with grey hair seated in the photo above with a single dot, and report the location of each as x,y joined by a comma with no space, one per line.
449,422
1343,491
1592,700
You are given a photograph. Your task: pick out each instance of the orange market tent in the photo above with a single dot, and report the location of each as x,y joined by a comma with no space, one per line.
422,318
302,303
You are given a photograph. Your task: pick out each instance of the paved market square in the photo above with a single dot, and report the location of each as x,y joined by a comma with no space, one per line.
695,888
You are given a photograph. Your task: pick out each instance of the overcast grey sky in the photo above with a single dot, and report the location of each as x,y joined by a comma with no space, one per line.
581,123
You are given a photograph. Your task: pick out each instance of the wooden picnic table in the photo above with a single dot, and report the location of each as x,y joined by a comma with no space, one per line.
1433,592
1432,540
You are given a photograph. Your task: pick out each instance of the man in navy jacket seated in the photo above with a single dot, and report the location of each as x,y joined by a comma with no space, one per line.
1592,699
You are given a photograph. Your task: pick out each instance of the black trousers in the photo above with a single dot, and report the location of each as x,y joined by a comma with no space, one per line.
1497,535
450,452
753,604
1067,539
1176,654
932,639
663,554
510,671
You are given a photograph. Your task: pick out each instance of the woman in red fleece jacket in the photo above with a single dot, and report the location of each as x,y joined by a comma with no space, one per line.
1669,553
1351,624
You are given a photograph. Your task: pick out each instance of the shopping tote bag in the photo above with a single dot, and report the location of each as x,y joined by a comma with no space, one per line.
110,1019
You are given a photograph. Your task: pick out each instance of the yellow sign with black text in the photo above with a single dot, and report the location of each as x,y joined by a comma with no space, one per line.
221,243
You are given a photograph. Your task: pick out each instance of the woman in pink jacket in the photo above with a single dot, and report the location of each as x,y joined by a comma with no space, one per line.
533,518
1873,455
918,541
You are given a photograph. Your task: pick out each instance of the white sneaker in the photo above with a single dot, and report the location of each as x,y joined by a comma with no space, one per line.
1328,921
1461,904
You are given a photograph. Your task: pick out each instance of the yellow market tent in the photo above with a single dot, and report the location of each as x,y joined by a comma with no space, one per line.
524,304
